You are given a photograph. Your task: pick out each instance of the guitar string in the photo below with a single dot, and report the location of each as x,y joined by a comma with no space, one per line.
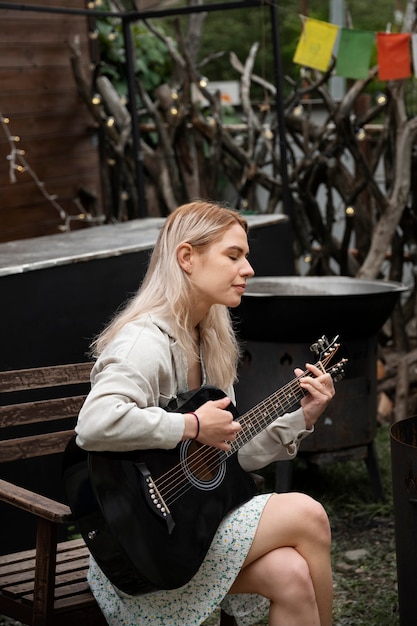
204,453
207,458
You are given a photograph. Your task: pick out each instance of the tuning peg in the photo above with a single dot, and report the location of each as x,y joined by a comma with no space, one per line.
320,345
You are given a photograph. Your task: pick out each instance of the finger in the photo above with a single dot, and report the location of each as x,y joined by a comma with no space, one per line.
222,403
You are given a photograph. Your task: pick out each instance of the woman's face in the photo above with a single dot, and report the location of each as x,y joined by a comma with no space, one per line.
219,273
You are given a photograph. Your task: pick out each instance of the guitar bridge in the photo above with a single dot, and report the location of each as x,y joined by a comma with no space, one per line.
154,497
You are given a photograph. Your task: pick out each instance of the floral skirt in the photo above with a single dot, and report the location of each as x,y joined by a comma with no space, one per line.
191,604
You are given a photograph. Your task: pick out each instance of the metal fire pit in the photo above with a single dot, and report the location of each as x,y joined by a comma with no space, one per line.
280,317
404,486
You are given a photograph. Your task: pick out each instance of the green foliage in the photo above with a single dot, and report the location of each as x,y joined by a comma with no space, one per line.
153,64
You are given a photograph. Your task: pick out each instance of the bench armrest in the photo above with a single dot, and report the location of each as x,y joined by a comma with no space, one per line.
34,503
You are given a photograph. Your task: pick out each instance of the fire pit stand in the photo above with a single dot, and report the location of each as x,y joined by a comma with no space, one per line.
279,318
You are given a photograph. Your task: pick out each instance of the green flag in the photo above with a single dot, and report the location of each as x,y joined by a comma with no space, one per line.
354,53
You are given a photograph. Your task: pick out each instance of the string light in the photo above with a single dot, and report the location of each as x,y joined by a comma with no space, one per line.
96,99
350,211
112,35
18,163
360,134
173,110
110,122
203,82
381,99
93,34
298,110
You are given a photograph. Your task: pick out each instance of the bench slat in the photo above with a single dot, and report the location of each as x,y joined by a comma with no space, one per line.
42,377
65,549
34,446
40,411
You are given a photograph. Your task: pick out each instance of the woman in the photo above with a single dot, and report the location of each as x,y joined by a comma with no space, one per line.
271,554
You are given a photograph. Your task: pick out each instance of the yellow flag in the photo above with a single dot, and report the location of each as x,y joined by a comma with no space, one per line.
316,44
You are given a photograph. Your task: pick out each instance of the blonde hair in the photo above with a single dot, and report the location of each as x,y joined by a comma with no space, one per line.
166,290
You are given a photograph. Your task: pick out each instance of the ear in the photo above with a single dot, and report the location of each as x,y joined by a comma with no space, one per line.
184,256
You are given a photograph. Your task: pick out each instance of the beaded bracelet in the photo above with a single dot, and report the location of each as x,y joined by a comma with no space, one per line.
198,423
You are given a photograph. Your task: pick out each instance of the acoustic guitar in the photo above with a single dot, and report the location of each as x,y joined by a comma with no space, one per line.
148,517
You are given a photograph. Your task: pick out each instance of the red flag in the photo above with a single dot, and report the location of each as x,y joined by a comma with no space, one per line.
394,57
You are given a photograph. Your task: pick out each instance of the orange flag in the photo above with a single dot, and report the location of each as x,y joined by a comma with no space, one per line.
394,57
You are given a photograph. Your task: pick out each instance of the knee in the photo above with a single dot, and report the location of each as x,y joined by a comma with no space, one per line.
293,583
318,517
299,580
315,519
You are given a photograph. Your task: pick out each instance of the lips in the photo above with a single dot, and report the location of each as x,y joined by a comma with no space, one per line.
240,288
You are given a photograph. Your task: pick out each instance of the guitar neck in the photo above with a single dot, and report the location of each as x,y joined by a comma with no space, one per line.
263,414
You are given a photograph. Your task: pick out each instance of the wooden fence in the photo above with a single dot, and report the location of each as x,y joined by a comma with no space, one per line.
58,173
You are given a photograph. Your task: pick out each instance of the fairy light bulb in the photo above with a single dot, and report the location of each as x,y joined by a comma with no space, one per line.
381,99
361,134
96,99
350,211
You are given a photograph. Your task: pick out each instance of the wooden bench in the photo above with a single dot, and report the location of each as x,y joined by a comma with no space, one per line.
45,585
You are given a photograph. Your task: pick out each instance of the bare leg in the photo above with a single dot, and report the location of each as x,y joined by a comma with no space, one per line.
297,522
283,576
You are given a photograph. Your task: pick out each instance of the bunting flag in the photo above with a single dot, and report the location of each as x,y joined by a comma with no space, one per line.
354,53
316,44
394,57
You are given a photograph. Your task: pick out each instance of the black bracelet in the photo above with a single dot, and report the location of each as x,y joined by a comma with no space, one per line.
198,423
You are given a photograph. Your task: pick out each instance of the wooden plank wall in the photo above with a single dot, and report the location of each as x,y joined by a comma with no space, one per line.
39,96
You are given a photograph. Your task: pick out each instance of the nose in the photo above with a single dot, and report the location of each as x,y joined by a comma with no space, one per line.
247,269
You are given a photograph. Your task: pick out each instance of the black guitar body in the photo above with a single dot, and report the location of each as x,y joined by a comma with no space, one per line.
140,542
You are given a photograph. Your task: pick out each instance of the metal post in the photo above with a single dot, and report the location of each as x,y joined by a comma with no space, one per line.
137,152
286,196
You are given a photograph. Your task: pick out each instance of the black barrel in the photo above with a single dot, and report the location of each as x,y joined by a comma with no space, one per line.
404,485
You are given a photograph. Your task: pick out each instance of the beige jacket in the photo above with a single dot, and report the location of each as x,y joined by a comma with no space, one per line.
133,381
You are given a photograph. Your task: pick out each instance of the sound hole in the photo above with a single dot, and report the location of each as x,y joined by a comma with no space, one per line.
202,461
202,465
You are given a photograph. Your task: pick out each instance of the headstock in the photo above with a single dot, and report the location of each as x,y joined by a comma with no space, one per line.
325,351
